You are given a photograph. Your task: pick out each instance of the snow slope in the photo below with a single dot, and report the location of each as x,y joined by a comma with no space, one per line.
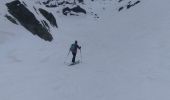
125,56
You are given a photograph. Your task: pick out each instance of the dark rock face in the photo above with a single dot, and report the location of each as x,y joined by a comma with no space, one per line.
57,3
121,8
11,19
120,0
130,4
81,1
27,19
71,7
44,23
76,9
49,17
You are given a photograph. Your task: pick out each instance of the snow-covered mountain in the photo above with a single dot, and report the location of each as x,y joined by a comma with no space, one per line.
38,16
125,51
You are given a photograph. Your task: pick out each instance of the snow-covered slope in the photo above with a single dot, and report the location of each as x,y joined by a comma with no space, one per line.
125,55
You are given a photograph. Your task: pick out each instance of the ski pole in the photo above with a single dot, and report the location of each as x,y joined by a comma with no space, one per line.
80,55
67,56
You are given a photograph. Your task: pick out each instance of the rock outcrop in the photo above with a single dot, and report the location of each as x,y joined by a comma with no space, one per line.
28,20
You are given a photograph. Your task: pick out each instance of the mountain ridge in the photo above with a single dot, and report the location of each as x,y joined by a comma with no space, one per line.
42,13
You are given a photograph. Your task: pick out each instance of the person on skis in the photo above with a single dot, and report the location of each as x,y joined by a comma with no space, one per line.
73,49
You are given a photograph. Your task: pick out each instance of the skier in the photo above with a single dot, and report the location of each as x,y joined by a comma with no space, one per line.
73,49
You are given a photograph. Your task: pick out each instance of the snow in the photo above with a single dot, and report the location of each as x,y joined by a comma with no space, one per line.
125,56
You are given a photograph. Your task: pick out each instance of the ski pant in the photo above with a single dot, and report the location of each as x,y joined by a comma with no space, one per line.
74,57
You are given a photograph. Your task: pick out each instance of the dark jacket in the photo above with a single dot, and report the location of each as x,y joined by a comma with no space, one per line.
74,48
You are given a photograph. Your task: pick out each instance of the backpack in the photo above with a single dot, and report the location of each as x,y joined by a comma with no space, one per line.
73,47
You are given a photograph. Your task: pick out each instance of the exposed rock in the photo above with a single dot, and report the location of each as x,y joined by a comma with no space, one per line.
67,7
73,10
35,10
49,17
57,3
45,24
27,19
13,20
81,1
120,0
130,4
121,8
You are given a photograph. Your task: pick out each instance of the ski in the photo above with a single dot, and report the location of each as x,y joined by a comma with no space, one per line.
75,63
